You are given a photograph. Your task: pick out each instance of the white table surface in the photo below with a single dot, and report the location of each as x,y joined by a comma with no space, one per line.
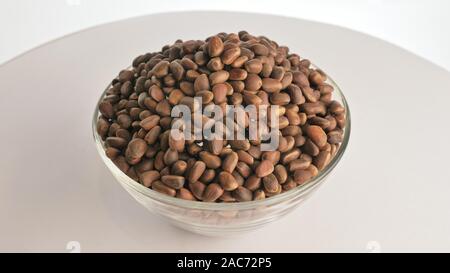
390,192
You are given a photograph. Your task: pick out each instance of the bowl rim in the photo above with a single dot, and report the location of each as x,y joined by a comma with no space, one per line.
213,206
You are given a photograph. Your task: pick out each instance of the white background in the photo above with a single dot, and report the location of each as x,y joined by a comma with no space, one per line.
420,26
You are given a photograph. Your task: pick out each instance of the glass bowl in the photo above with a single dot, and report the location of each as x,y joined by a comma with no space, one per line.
223,219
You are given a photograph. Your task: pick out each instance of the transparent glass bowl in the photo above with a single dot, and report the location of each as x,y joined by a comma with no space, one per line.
223,219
